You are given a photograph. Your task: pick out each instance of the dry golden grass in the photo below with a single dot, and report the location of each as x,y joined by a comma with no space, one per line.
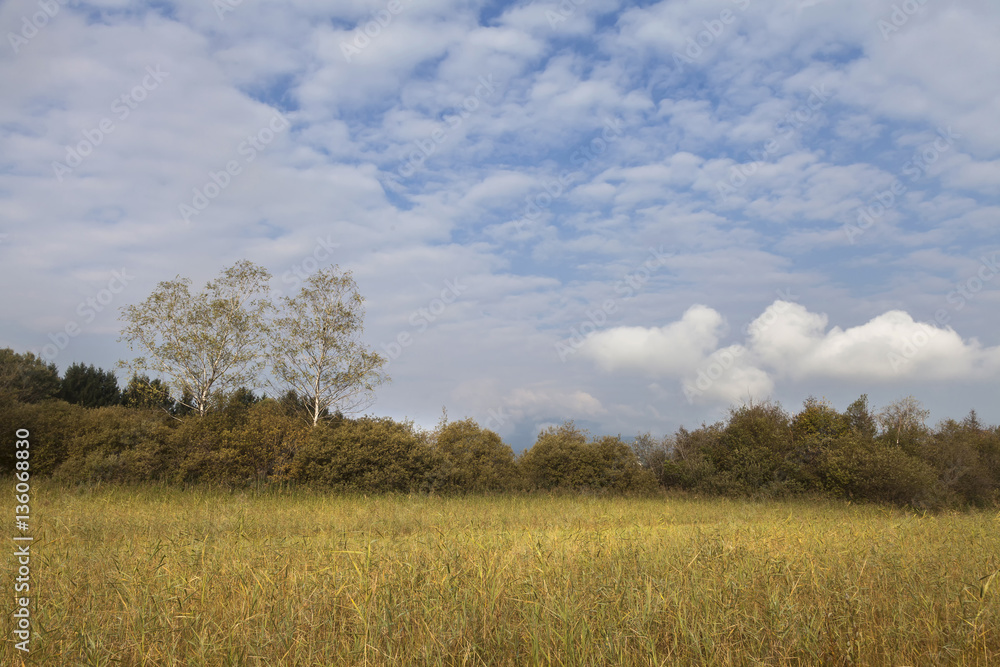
168,577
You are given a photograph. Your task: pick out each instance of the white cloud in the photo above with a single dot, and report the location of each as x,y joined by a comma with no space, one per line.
669,349
788,342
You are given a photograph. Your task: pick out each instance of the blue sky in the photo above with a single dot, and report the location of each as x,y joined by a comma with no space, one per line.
630,215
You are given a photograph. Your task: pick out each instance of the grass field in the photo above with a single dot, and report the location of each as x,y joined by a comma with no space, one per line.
170,577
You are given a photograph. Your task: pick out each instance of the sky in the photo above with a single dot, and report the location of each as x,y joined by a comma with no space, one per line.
630,215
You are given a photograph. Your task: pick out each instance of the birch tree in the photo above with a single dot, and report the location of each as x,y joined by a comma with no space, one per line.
206,343
316,350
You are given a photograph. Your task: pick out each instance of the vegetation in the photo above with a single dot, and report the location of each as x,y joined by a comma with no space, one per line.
316,350
90,387
210,344
159,576
188,519
26,378
243,439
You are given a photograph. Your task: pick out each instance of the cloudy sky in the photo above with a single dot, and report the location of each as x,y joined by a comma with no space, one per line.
630,215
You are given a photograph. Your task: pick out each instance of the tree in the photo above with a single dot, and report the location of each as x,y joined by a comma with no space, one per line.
477,459
903,421
89,386
141,392
316,350
860,418
26,378
206,342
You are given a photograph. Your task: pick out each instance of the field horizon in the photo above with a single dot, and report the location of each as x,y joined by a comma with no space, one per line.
154,575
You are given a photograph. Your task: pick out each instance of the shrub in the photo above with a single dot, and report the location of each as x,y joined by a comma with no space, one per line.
563,459
369,455
475,459
864,470
749,454
52,425
26,378
115,444
239,445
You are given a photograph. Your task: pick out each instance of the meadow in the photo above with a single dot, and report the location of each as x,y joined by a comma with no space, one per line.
166,576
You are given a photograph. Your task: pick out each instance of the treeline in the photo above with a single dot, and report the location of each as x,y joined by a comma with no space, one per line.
85,429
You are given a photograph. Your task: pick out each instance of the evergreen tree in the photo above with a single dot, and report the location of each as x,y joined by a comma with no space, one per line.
90,387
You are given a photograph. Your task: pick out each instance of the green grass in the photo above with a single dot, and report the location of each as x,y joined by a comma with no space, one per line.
168,577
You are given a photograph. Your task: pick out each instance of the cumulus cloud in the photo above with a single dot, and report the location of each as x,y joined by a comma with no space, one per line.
670,349
788,342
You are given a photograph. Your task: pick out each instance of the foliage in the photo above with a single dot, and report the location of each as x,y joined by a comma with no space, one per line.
52,424
902,424
475,459
26,377
370,455
563,459
206,342
966,457
90,387
316,351
143,393
243,444
653,454
116,444
865,470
